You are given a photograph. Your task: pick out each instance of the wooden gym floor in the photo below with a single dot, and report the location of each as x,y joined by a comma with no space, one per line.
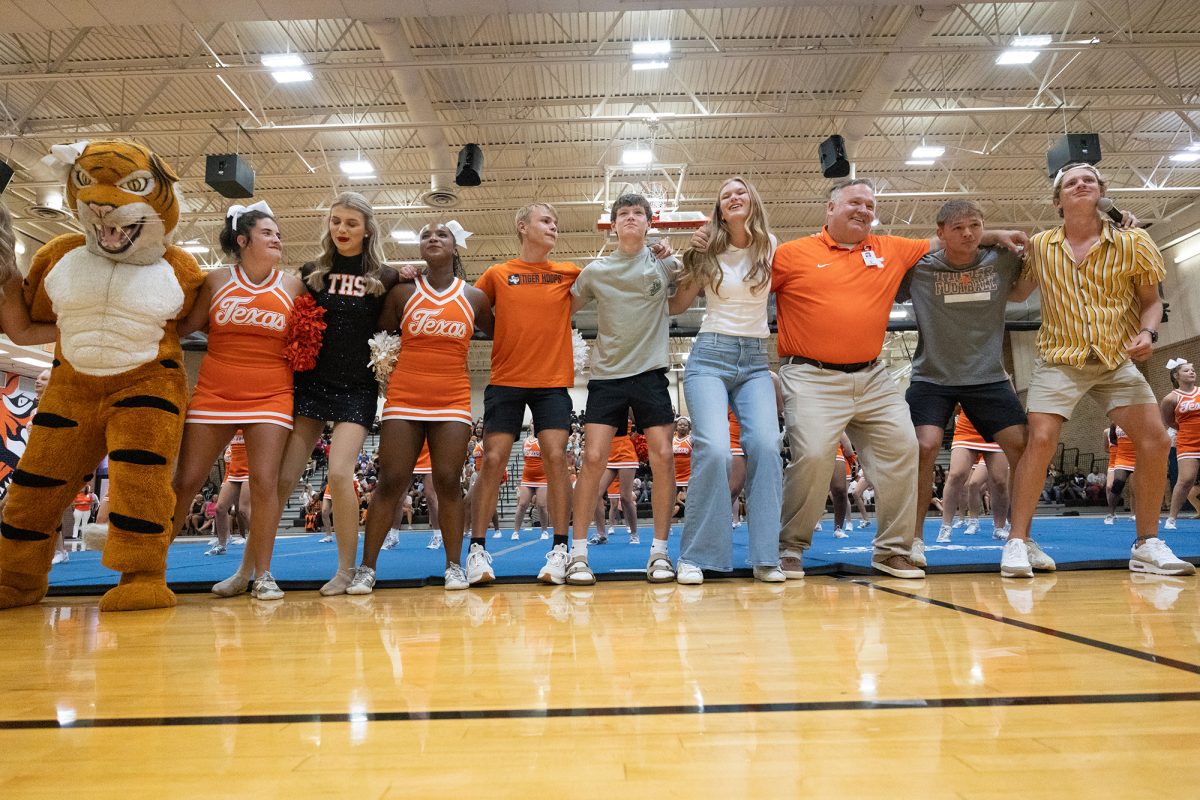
1083,684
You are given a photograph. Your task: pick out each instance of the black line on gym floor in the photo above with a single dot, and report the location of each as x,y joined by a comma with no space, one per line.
1029,626
603,711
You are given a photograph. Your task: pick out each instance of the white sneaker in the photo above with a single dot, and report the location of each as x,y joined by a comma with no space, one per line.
479,566
917,556
840,533
215,550
1002,533
213,540
60,557
634,539
863,523
1169,524
1014,563
972,528
456,579
943,534
235,584
391,540
956,522
545,535
1108,519
579,572
1153,556
265,588
237,538
1038,558
769,575
818,528
689,574
497,535
327,538
435,541
555,569
516,535
363,581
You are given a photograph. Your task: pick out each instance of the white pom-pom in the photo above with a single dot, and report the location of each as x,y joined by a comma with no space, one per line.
579,350
385,348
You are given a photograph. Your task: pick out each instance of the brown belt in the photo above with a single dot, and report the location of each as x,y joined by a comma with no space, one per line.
858,367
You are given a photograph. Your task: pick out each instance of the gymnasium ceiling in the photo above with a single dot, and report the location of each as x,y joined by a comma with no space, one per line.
548,91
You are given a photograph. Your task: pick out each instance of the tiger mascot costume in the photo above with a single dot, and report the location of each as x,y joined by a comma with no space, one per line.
117,386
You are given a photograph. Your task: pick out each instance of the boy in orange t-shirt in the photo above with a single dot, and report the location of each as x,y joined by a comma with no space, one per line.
532,366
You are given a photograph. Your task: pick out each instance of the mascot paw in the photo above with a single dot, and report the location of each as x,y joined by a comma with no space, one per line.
138,591
19,589
94,536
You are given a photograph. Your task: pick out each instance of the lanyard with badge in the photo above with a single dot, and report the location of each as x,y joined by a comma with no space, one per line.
870,259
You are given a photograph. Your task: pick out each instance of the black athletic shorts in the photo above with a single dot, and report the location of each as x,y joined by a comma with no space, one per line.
991,407
504,409
609,401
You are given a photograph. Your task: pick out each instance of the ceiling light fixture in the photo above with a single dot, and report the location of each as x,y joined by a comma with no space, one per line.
637,156
928,151
654,47
358,167
33,362
1023,49
640,66
405,237
287,68
1186,157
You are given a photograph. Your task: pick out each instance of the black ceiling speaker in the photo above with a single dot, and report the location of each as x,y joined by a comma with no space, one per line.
6,173
229,176
1073,148
470,166
833,157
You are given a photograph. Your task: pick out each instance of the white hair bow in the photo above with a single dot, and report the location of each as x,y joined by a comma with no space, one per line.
460,234
64,155
235,212
1176,362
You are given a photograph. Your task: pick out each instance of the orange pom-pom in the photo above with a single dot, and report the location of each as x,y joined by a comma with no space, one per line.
305,332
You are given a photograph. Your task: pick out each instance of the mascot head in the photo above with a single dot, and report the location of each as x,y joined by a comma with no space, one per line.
124,196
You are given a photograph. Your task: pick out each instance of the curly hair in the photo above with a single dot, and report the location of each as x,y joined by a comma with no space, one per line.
373,261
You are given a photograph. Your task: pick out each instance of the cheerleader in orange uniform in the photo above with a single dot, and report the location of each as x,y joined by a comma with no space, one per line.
622,466
533,487
737,470
428,397
967,446
1122,461
229,499
424,468
681,447
245,381
1181,411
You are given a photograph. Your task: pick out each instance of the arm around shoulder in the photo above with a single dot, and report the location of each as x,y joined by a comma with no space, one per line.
14,318
482,305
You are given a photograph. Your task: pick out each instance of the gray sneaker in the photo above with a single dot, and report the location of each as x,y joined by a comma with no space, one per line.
1038,558
265,588
456,579
1153,556
363,581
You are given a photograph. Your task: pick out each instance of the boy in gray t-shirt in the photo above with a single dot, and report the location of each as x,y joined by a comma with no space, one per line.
629,372
959,294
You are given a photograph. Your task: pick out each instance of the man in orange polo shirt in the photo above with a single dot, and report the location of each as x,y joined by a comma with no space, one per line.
831,379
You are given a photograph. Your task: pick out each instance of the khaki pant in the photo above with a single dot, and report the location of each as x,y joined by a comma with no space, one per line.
818,405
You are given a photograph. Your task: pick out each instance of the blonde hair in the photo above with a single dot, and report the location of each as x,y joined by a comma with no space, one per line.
8,248
526,212
700,267
372,255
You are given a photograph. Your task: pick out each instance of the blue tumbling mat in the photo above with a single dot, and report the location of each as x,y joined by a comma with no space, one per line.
303,562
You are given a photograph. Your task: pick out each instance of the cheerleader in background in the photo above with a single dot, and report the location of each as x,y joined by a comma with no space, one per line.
1181,411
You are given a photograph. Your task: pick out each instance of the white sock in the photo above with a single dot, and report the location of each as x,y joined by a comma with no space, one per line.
659,546
579,547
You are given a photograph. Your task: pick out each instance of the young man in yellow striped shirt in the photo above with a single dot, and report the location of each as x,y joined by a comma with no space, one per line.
1100,314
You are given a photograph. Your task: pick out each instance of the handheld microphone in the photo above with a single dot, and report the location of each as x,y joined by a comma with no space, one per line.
1106,205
